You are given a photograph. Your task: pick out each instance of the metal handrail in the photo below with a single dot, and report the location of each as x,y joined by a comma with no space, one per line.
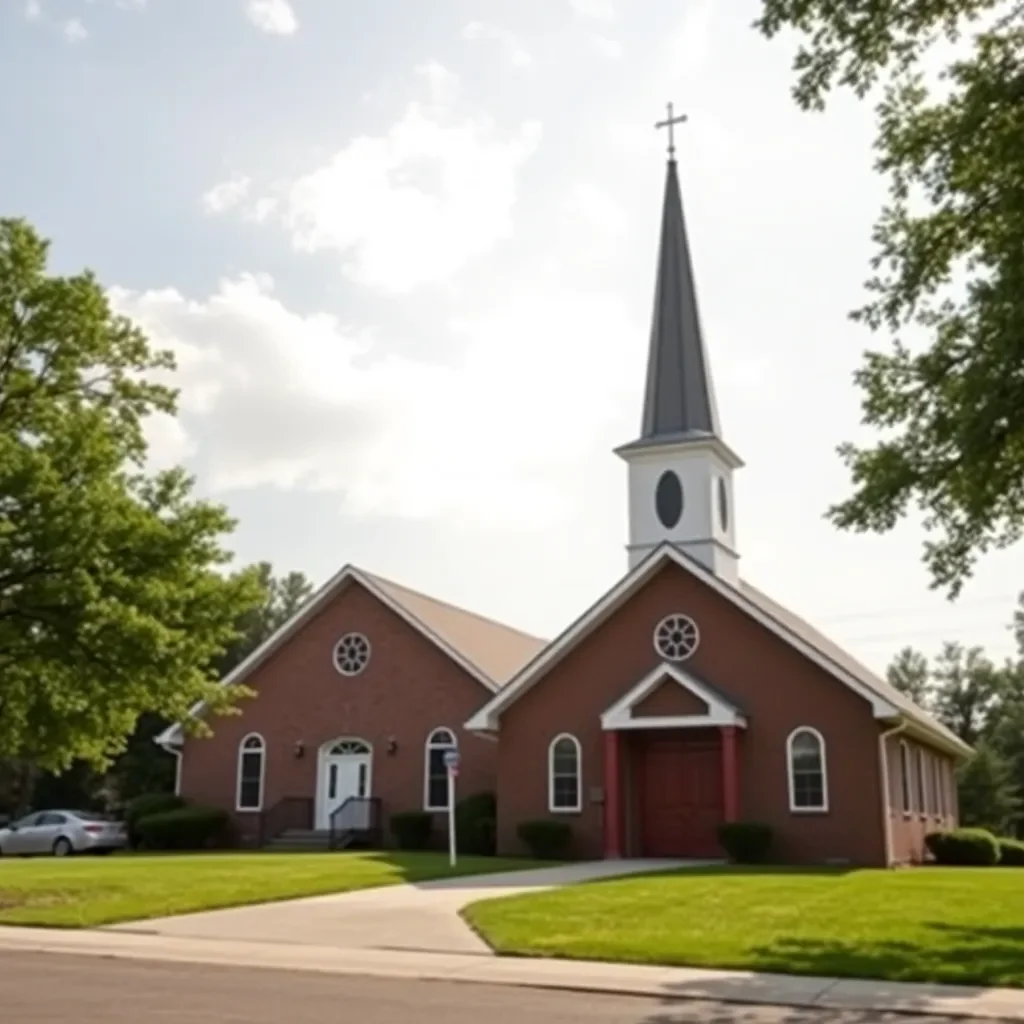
355,814
288,812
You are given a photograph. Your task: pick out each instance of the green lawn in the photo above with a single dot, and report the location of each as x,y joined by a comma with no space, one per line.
956,925
82,892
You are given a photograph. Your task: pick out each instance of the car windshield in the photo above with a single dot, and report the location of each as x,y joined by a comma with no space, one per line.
90,815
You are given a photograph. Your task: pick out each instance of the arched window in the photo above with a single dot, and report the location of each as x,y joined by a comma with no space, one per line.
252,754
904,777
808,775
564,795
436,794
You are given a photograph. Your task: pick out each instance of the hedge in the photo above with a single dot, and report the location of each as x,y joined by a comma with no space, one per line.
186,828
963,847
475,824
545,839
412,830
746,842
1011,852
145,805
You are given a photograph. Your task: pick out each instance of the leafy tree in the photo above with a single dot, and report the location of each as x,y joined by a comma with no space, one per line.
988,796
114,592
967,687
910,674
1008,738
948,264
282,599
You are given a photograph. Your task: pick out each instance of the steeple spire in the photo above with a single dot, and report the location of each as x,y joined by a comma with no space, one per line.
680,469
680,398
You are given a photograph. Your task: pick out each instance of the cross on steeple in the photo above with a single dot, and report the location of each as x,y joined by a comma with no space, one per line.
670,124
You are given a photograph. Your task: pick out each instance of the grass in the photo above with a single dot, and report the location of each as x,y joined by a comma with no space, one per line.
84,892
953,925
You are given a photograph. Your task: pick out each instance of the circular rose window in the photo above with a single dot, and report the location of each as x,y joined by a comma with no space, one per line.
676,637
351,654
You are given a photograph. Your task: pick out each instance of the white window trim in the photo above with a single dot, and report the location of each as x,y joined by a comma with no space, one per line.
578,806
238,772
790,775
922,783
906,783
432,744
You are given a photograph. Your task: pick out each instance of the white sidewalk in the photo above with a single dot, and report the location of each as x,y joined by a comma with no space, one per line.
662,982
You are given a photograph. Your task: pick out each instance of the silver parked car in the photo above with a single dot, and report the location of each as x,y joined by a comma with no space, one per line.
62,833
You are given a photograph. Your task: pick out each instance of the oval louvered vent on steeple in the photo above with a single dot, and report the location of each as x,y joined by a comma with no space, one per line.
668,500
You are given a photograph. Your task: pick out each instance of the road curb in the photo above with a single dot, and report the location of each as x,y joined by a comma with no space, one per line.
663,983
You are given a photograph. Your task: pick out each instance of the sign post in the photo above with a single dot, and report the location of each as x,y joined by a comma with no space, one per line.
451,762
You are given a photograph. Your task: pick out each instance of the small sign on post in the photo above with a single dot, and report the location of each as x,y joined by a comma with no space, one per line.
451,762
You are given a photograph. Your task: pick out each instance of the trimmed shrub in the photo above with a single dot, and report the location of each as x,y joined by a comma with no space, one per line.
545,839
964,847
475,821
1011,852
186,828
746,842
145,805
412,830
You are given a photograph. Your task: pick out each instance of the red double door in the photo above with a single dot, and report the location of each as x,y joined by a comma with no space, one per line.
680,795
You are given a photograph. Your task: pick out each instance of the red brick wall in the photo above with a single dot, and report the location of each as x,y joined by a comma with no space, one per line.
408,689
777,688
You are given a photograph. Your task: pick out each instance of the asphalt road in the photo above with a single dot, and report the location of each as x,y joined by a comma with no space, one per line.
49,988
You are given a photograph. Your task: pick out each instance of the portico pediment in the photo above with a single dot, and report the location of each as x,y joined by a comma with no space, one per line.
669,697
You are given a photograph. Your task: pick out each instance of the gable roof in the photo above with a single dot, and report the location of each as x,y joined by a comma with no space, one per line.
488,651
886,702
499,651
843,658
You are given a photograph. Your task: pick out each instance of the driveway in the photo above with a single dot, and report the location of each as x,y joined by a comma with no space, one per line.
421,917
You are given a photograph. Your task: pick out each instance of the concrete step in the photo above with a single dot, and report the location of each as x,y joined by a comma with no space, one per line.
283,846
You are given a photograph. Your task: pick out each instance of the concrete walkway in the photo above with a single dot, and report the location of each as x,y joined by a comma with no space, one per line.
667,983
423,917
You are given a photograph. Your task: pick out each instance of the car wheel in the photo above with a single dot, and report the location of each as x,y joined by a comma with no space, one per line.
63,848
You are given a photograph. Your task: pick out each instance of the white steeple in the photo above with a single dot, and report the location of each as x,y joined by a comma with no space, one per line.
680,469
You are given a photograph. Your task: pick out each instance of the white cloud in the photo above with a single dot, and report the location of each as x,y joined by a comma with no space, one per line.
298,401
226,195
597,10
606,47
518,56
33,10
74,31
416,205
275,17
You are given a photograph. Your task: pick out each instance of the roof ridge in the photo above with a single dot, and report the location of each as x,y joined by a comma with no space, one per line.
454,607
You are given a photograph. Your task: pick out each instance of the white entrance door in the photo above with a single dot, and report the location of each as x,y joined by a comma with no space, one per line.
343,775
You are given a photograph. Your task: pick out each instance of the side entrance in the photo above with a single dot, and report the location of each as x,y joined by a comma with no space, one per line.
344,770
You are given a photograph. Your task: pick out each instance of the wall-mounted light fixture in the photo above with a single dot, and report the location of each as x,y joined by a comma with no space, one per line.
392,746
300,749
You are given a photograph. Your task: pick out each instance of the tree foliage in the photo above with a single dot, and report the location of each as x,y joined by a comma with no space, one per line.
983,704
909,673
143,767
115,594
283,597
949,263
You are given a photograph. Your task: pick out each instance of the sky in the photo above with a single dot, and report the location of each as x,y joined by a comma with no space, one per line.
404,253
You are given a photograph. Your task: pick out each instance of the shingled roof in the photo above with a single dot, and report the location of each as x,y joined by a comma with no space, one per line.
499,651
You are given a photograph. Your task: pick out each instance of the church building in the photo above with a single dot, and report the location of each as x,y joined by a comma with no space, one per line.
682,699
